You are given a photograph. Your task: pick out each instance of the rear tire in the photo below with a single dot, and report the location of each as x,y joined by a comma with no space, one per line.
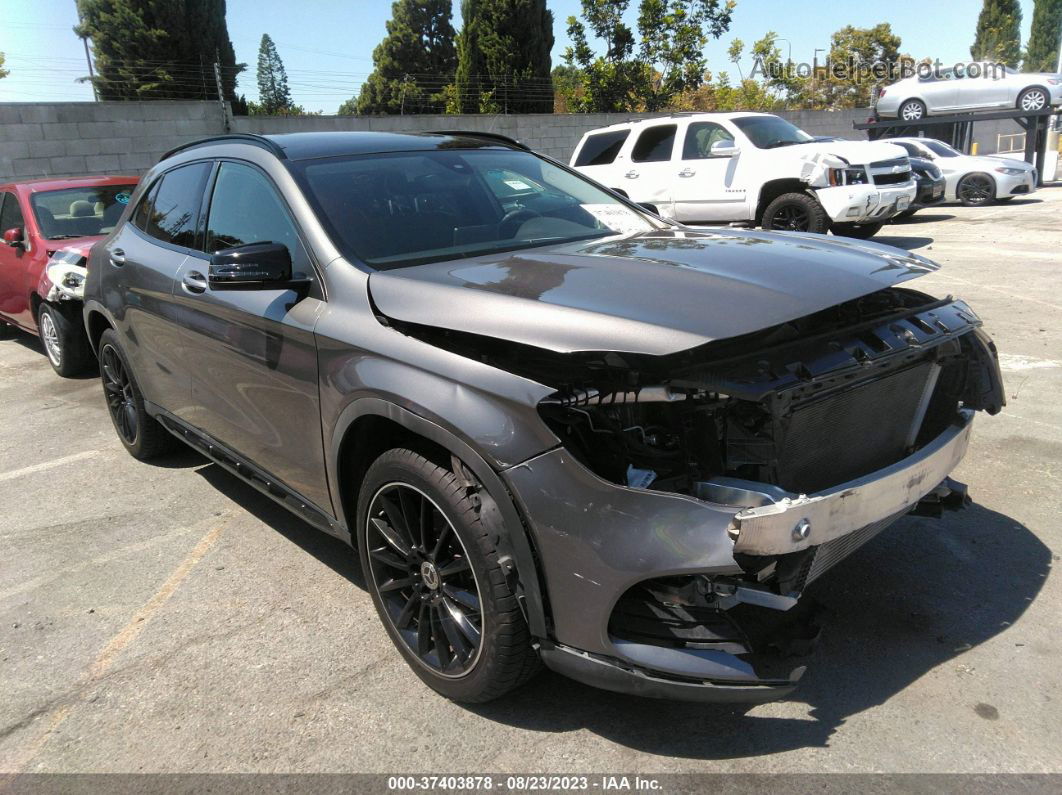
912,110
1032,99
412,516
64,341
795,212
858,231
140,433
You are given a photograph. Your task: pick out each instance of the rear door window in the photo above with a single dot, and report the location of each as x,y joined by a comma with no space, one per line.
654,144
170,210
601,149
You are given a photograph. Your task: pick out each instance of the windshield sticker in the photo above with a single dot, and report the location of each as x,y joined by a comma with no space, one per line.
616,217
516,184
121,198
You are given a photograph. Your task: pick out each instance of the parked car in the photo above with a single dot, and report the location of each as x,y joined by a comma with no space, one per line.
955,91
749,168
556,427
974,180
931,186
48,227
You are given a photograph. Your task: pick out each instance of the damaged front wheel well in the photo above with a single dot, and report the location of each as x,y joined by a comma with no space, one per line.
775,188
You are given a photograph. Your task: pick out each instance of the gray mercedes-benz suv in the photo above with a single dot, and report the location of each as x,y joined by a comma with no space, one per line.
556,427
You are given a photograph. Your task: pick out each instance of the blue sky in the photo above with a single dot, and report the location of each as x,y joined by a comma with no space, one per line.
326,45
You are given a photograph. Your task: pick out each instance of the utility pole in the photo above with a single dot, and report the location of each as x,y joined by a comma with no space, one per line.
88,60
221,97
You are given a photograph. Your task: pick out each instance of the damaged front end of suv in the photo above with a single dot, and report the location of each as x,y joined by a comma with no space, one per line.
694,494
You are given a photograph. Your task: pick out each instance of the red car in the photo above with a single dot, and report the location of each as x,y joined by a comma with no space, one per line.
48,227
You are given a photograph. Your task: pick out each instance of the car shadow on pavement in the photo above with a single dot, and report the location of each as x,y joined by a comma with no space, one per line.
913,600
908,242
920,218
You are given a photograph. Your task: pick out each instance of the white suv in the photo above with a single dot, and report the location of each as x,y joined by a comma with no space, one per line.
752,168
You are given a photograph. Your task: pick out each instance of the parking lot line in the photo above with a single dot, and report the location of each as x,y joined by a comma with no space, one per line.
114,647
46,465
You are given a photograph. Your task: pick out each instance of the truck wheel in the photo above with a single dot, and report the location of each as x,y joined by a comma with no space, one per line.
860,231
64,341
140,433
976,190
434,574
795,212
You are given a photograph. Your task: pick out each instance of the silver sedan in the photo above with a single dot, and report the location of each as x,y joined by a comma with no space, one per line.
974,180
958,90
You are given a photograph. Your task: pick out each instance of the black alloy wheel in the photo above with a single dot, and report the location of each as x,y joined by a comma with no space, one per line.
791,218
976,189
118,388
422,574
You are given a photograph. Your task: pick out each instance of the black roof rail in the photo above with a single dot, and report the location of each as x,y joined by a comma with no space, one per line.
247,138
488,135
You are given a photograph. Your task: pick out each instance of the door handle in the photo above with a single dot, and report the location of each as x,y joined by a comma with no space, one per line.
194,282
117,257
687,172
632,174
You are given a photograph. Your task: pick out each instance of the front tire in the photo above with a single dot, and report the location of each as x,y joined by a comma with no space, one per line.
433,570
1032,99
912,110
795,212
976,190
139,432
64,342
859,231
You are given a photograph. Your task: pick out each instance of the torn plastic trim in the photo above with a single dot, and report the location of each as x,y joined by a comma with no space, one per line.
611,674
64,276
797,522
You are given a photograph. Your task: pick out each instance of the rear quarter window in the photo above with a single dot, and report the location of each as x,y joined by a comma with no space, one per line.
601,149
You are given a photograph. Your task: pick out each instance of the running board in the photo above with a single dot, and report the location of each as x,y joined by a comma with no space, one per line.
254,476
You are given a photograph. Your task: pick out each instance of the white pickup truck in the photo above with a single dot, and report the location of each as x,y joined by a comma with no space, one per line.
750,168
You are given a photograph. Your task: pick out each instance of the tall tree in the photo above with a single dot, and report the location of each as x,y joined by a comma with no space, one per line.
998,36
503,56
859,57
273,93
412,64
159,49
670,58
3,72
1042,54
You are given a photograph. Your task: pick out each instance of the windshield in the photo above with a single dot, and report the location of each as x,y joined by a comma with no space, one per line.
410,208
938,148
79,212
767,132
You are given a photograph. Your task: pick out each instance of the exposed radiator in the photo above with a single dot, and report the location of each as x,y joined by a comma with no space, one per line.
833,552
851,432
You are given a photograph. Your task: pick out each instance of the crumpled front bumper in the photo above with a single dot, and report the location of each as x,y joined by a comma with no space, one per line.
596,540
866,203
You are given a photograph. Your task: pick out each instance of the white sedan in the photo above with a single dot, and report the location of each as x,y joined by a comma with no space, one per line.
976,87
974,179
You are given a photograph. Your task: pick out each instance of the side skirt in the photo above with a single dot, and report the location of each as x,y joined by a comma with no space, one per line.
249,473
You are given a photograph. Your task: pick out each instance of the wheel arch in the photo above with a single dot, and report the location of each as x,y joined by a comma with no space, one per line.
774,188
369,426
95,324
985,174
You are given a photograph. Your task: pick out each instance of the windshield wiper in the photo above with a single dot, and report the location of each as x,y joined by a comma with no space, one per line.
63,237
776,144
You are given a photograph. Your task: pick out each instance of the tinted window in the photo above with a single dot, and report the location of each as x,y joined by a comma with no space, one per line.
78,212
699,139
10,212
246,208
171,210
407,208
602,148
654,144
941,149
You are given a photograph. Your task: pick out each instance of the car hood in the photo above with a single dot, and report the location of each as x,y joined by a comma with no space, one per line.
652,293
855,152
81,245
967,163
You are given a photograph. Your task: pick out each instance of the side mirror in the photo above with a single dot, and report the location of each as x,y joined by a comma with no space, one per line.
14,237
725,149
650,207
256,266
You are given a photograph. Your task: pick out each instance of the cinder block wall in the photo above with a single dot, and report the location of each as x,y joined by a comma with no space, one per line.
74,138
